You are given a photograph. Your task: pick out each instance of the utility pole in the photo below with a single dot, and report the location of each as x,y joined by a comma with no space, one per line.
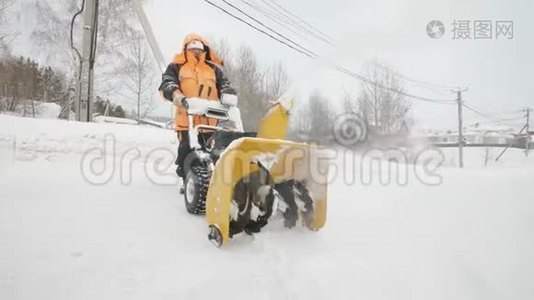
85,93
376,107
460,127
527,146
527,135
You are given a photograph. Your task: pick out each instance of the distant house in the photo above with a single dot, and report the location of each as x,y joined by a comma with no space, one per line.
474,135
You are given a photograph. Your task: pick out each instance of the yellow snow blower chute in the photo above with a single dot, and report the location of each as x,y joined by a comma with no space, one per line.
254,173
239,180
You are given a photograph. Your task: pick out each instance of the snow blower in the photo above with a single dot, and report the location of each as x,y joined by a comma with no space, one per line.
240,180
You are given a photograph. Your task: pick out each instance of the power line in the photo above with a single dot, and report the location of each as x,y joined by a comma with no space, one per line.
511,112
493,119
297,24
258,29
478,112
430,85
312,55
512,119
303,21
362,78
425,84
275,19
488,122
418,83
268,28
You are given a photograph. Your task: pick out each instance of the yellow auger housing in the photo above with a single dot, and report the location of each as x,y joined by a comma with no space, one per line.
284,161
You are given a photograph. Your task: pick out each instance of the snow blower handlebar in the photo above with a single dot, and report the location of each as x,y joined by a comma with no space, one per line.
206,108
225,110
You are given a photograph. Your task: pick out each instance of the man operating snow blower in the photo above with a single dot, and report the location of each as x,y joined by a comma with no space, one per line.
195,73
237,179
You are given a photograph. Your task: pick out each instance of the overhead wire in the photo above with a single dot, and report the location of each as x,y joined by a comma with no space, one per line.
418,81
258,29
275,19
493,119
424,84
363,78
303,21
296,24
312,55
270,29
421,83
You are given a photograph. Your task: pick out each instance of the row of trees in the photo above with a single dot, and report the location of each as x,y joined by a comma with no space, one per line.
385,112
24,84
22,79
105,108
124,70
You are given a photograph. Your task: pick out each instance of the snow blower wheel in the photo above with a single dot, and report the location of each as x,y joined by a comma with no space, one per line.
196,189
215,236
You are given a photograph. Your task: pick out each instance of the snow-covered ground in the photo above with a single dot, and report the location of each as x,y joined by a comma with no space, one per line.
63,237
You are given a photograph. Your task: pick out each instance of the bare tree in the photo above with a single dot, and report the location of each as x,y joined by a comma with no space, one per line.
248,78
350,102
4,35
114,37
256,85
386,110
139,76
276,82
313,122
224,51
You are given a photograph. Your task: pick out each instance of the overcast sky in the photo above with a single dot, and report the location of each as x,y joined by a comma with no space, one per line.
497,71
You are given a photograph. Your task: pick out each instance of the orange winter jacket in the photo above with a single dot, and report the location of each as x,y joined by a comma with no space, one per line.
202,77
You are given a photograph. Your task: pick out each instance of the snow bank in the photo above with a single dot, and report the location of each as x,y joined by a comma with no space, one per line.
37,137
49,110
43,110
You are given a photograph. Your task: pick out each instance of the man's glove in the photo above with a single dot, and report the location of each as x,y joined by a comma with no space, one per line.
178,99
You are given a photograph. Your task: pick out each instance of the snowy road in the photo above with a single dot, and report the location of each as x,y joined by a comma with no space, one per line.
63,238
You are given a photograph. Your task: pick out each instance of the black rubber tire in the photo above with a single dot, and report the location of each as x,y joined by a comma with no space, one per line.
197,178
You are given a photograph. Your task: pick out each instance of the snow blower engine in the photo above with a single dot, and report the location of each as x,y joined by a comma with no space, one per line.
240,180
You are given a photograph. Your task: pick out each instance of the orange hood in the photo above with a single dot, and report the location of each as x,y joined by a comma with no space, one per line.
210,54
